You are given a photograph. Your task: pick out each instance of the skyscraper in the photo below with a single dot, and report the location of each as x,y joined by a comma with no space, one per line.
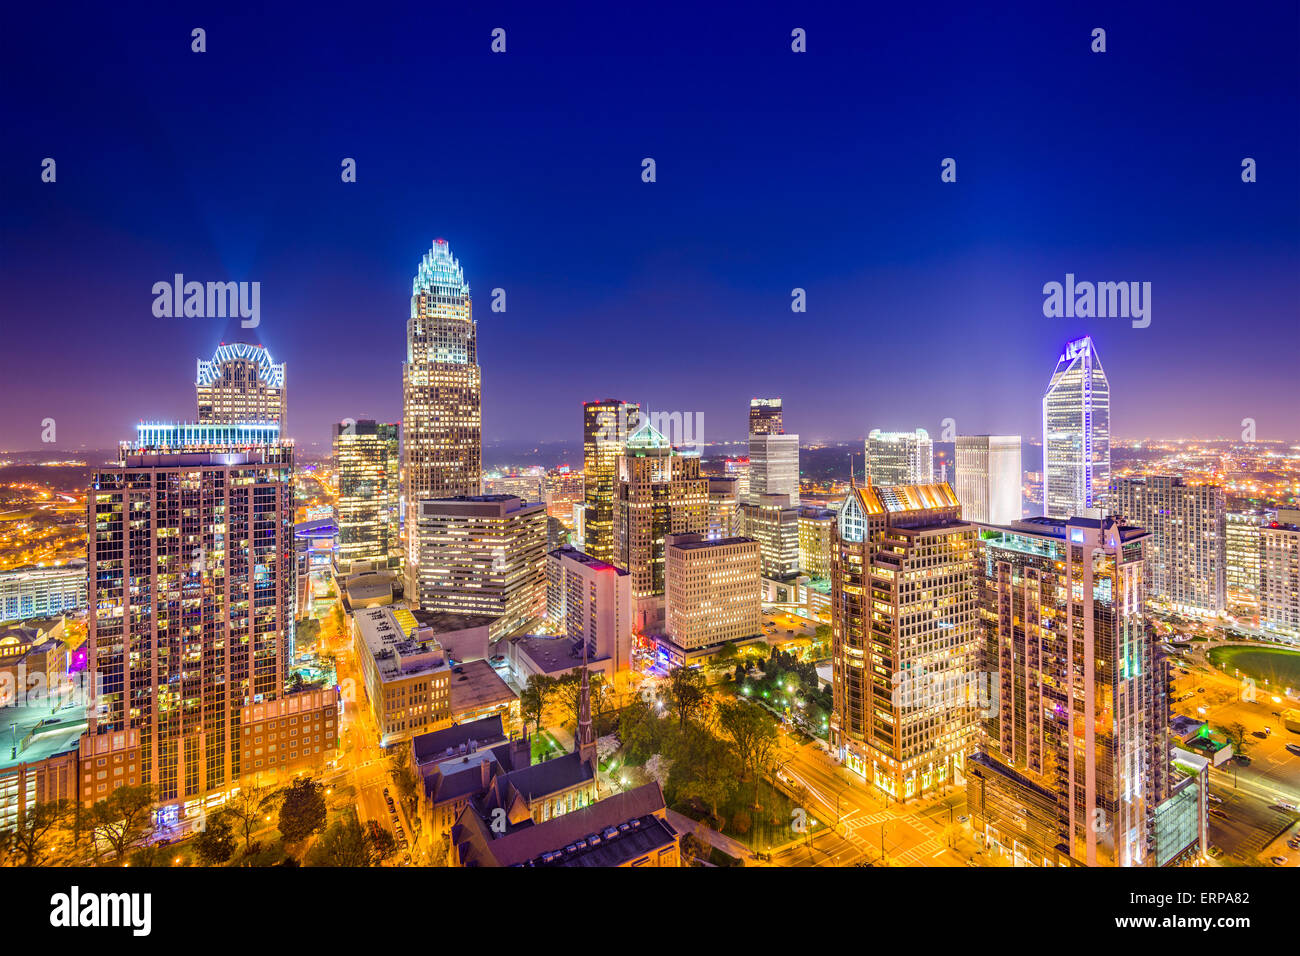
765,416
1073,757
240,383
899,458
1076,434
1241,561
988,478
366,466
442,431
483,555
659,492
904,628
590,600
1186,551
605,427
192,590
1279,577
711,591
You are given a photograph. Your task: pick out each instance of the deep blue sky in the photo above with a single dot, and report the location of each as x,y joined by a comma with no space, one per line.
775,170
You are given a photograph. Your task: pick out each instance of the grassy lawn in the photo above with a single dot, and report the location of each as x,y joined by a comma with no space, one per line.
545,746
1279,667
771,825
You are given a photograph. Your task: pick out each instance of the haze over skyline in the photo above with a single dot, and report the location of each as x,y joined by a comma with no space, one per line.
774,171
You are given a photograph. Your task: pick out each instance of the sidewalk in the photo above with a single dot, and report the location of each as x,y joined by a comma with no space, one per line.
684,824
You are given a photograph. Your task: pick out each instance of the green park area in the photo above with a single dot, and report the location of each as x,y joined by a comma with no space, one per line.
1272,667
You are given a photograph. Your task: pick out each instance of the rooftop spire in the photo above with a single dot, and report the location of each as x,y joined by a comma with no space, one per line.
586,740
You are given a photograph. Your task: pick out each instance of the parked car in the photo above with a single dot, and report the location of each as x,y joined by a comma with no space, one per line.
1280,861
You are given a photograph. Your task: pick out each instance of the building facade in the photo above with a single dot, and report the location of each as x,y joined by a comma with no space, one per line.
605,428
774,466
1072,759
765,416
1076,434
483,555
1186,562
816,539
42,592
712,592
442,428
366,467
988,478
1279,579
773,522
899,458
590,601
1241,561
904,631
241,383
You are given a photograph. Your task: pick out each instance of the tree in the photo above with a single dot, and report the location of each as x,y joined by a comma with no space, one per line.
31,838
533,699
726,652
303,810
216,842
569,690
686,689
1237,736
122,818
343,844
247,808
399,764
752,734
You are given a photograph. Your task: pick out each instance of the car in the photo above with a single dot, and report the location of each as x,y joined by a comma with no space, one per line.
1217,812
1284,805
1258,733
963,818
1214,798
1200,690
1293,748
1280,861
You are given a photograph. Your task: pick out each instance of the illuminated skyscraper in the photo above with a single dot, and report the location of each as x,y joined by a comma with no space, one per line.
240,384
1186,559
765,416
1076,434
366,466
904,628
192,593
442,431
1241,560
659,492
605,427
1279,576
1073,764
988,478
899,458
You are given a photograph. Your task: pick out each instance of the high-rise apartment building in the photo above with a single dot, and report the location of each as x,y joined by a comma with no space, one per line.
240,383
366,468
1186,523
605,429
988,478
658,492
442,430
1076,434
1279,578
1241,561
591,600
899,458
765,416
712,591
1073,756
192,589
904,629
483,555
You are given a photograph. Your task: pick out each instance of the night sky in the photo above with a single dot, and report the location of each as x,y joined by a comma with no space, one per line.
775,170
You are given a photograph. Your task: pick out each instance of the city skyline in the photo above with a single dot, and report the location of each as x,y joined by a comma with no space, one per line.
878,239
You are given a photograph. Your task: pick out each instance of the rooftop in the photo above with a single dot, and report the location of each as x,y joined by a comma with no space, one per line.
477,686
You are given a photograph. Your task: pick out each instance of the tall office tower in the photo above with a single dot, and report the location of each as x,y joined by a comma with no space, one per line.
1076,434
773,522
712,592
483,555
563,492
590,600
442,430
988,478
765,416
192,588
659,492
1069,763
366,467
904,628
899,458
724,502
1241,561
738,468
1186,563
1279,578
240,384
774,466
605,429
816,539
